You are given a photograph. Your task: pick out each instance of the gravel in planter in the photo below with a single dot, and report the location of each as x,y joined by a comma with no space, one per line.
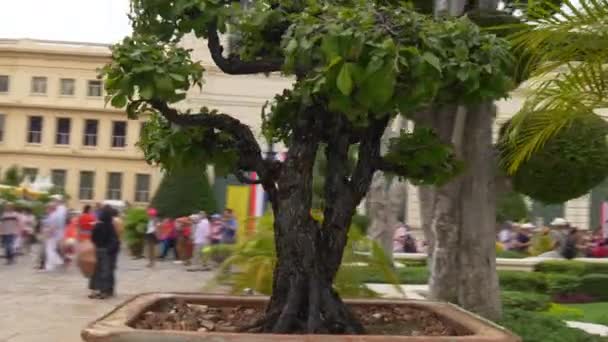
377,320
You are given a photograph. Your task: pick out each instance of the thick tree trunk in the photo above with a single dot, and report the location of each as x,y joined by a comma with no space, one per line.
478,285
426,194
463,268
308,254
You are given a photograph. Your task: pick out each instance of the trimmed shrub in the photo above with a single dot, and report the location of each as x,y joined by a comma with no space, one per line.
182,192
136,220
561,284
595,285
406,275
572,267
538,327
523,281
578,153
510,254
528,301
511,206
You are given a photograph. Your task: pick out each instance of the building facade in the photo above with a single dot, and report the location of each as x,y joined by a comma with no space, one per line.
54,122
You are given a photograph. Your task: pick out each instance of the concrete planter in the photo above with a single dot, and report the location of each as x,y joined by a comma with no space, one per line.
115,326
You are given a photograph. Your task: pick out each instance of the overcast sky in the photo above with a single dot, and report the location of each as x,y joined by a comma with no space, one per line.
100,21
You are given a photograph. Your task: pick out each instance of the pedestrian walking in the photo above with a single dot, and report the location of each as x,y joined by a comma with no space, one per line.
151,237
200,240
169,237
86,222
53,234
107,246
9,228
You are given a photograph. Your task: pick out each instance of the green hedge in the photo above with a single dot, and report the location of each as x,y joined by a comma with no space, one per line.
523,281
559,284
573,267
407,275
595,285
528,301
511,254
538,327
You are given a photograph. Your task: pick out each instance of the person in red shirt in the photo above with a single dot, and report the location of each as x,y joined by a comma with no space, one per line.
86,222
169,238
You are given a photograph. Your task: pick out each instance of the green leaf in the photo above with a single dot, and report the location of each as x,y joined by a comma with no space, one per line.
147,92
330,47
177,77
119,101
380,86
345,80
164,84
292,46
432,60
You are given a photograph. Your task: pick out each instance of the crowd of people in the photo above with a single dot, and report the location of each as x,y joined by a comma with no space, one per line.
558,240
187,236
61,235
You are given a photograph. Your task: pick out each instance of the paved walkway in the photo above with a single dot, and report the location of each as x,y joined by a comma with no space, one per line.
39,306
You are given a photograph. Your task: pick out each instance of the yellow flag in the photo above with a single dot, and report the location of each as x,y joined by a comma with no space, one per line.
237,199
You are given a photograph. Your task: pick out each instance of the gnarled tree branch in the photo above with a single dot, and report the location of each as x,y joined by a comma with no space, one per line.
250,153
232,64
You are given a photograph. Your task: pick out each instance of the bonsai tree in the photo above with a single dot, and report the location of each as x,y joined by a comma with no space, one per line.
357,65
183,191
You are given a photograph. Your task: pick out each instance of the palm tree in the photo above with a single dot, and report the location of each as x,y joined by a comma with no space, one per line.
566,55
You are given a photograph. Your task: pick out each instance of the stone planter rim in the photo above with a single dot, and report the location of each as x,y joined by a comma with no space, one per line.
114,326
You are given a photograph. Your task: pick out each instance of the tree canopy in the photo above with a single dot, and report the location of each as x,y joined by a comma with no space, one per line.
366,61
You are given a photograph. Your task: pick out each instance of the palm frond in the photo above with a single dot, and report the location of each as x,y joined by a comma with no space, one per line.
575,32
557,103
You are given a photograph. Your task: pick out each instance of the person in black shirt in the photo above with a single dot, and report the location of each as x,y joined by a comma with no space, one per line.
107,245
522,240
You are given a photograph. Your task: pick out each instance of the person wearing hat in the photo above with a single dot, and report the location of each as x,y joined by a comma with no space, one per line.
151,236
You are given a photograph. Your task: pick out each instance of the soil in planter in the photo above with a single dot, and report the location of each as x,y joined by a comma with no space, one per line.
377,320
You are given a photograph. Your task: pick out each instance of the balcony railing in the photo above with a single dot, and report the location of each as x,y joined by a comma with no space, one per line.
114,194
90,140
62,139
142,196
85,193
119,141
34,137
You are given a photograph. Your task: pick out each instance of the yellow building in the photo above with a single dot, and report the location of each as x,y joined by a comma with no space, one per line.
54,122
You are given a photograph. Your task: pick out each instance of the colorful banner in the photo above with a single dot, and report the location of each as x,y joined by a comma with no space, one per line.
237,199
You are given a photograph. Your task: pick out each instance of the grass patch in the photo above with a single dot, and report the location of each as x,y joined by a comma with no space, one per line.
593,312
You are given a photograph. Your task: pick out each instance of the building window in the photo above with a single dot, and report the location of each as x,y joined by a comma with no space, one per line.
94,88
63,131
142,188
38,85
58,178
90,132
30,173
34,133
119,133
114,186
4,83
87,184
68,86
2,123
